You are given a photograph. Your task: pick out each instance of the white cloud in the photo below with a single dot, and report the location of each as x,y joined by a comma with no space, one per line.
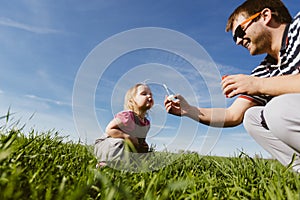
233,141
46,116
48,100
30,28
162,126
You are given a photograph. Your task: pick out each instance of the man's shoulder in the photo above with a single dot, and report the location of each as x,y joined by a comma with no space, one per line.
294,33
295,18
262,70
295,22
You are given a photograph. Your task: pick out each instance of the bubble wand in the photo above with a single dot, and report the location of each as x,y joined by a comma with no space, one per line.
171,97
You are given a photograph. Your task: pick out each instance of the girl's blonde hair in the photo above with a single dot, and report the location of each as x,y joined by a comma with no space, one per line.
129,103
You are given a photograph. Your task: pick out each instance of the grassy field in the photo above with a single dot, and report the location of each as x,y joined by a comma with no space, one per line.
44,166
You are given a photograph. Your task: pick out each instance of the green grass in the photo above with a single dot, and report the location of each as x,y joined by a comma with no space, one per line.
44,166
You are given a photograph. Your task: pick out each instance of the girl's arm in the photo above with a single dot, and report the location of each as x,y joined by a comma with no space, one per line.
113,130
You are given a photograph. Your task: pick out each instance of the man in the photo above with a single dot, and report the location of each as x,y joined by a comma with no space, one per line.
269,100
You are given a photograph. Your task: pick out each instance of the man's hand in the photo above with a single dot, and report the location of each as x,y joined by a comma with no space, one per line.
178,108
233,85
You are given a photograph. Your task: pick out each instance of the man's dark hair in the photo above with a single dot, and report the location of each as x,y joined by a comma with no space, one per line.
250,7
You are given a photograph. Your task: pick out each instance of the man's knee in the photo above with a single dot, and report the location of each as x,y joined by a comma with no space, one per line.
276,112
252,118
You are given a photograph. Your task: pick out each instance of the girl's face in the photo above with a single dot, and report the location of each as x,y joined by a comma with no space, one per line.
143,98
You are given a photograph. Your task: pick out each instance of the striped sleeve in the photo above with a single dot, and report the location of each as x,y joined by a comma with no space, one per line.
290,60
263,71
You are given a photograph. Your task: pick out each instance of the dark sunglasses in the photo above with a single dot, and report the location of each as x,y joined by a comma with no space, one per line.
239,31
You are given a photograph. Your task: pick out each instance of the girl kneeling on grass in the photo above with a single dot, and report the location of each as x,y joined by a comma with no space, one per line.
129,126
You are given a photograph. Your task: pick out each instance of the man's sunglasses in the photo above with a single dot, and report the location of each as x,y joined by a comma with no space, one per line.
239,32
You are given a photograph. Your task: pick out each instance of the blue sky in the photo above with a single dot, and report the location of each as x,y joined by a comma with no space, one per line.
44,44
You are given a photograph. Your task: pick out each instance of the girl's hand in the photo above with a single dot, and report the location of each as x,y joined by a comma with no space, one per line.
133,140
139,144
143,146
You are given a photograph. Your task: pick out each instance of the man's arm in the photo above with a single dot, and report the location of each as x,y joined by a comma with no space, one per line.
217,117
273,86
279,85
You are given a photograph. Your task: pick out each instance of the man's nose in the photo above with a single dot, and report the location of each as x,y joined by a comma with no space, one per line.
239,41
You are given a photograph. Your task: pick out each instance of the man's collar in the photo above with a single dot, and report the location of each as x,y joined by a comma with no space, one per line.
284,41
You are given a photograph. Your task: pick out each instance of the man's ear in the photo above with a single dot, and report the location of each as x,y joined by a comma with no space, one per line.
266,14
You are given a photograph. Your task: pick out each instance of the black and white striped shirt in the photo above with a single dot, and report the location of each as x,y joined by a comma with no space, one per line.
289,59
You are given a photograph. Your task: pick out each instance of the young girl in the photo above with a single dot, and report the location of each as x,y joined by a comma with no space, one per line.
129,126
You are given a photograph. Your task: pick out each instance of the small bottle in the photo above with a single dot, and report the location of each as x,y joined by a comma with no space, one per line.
171,97
223,77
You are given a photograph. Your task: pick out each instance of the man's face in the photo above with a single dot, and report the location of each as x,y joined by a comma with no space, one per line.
255,37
